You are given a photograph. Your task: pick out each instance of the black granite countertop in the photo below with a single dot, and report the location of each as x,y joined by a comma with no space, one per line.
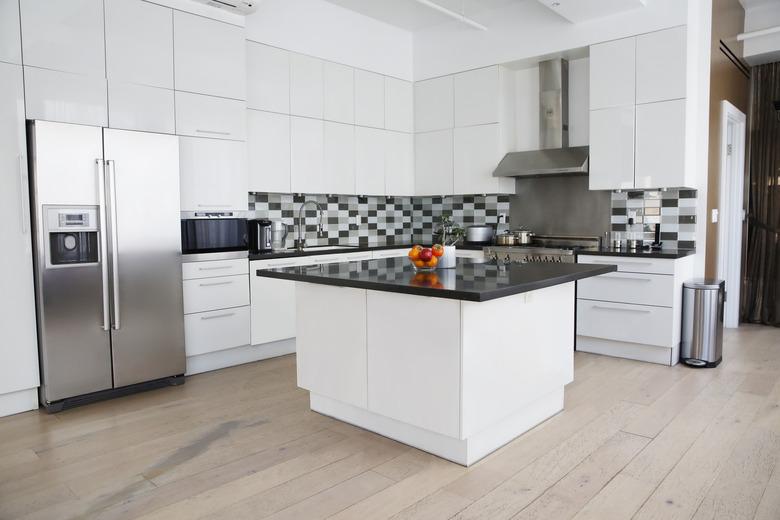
314,250
641,253
469,280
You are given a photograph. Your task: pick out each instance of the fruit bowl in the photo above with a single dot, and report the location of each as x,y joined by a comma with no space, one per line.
425,259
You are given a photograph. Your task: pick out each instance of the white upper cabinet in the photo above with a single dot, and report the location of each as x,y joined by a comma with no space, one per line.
660,145
477,152
433,153
64,36
399,163
305,86
660,65
209,56
268,149
369,161
139,43
268,78
399,105
10,37
65,97
477,97
306,155
213,174
613,74
139,107
209,116
433,104
338,92
369,99
338,166
611,148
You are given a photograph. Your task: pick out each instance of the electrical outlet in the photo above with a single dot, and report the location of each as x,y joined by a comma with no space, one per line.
715,215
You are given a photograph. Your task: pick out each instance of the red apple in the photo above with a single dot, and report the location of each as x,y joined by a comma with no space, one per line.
426,254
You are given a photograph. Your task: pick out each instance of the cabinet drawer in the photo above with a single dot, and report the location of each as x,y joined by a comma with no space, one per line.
624,322
206,332
208,294
646,289
631,264
208,116
279,263
469,253
209,269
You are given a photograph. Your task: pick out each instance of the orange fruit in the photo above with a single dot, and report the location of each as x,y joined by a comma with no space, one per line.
438,250
419,263
414,252
432,262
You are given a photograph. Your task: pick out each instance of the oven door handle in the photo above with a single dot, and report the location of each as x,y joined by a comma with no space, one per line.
100,168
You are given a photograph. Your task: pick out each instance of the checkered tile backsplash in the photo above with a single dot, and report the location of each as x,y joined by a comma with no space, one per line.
674,209
383,220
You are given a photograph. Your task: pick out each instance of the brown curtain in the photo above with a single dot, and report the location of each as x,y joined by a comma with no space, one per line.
761,291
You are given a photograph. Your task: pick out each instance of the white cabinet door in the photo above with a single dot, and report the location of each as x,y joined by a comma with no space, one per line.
209,116
612,148
139,43
612,73
477,152
660,145
338,91
213,331
66,97
399,105
138,107
433,163
399,163
477,96
369,99
210,56
339,158
10,35
268,150
213,174
660,65
268,78
272,303
305,86
19,354
306,155
65,36
369,161
433,104
210,294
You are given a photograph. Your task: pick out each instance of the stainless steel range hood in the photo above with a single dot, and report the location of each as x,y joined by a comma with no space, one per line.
555,156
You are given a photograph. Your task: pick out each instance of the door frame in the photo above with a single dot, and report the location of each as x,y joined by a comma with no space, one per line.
733,127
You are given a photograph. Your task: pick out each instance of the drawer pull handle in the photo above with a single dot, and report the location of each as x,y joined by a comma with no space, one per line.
214,268
215,132
215,316
214,284
629,278
617,262
213,205
621,309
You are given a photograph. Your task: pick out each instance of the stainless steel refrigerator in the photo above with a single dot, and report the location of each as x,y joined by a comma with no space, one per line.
107,260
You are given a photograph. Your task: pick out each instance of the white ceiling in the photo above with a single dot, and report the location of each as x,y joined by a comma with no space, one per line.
577,11
413,16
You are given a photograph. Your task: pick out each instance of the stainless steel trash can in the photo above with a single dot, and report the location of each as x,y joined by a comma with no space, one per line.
702,322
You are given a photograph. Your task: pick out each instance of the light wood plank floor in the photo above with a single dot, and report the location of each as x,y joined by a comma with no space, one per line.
634,441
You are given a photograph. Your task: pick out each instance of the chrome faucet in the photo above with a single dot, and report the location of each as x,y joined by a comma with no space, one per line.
300,241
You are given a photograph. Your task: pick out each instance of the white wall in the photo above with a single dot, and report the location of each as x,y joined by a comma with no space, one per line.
526,28
762,49
330,32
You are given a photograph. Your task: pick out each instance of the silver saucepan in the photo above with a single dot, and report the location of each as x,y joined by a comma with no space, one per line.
524,236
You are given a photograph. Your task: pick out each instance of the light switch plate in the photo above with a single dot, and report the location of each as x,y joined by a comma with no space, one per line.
715,215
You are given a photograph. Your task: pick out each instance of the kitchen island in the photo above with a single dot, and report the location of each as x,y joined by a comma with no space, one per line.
456,363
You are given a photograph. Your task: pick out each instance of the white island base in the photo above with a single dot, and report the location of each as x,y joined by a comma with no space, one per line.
458,379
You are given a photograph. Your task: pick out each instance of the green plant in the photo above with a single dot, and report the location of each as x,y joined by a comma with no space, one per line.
451,233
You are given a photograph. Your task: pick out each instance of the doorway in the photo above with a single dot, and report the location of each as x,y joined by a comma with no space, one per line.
732,185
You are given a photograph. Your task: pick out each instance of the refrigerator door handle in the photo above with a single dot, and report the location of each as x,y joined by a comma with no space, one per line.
24,192
116,323
101,179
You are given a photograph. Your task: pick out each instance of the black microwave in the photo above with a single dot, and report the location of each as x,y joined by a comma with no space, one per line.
215,233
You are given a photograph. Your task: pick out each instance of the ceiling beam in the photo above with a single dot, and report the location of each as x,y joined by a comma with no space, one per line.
452,14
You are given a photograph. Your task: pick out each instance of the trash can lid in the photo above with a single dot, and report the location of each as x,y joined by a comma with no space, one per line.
704,283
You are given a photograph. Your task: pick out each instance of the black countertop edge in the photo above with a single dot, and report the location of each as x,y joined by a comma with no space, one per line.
451,294
314,250
672,254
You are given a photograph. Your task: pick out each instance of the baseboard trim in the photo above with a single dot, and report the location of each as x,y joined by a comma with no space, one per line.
238,356
637,351
18,402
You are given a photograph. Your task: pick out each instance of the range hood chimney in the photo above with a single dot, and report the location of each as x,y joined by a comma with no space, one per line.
555,156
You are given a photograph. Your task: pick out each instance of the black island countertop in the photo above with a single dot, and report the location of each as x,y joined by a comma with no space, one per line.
672,254
469,280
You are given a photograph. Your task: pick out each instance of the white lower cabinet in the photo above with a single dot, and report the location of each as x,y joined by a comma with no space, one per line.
213,174
215,293
273,302
212,331
473,254
635,312
389,253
